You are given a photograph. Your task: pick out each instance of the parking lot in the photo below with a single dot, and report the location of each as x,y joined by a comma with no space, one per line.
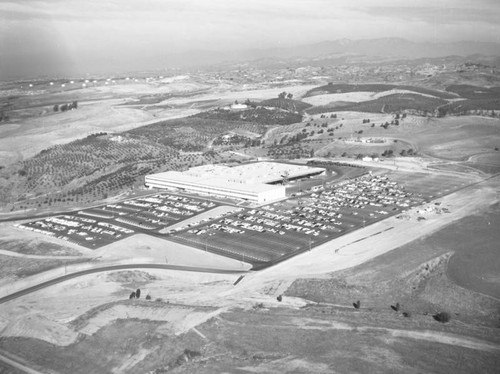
254,235
99,226
285,228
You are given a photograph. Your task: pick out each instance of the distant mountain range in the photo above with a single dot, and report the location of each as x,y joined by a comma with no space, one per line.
337,52
395,48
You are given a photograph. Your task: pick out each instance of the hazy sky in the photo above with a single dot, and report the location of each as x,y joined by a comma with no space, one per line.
40,36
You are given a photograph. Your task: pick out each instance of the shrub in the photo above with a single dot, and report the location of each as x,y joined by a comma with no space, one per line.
258,306
442,317
407,314
396,307
357,304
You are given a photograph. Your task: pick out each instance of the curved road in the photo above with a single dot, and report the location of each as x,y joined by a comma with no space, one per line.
51,282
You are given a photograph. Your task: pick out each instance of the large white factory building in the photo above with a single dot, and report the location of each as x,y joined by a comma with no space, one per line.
250,182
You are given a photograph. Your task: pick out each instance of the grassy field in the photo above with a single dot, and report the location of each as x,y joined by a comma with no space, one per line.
474,92
475,242
416,276
387,104
14,268
375,87
37,247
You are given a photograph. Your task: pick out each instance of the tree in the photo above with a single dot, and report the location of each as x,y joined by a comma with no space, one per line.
148,297
56,108
357,304
289,96
138,293
442,112
132,296
74,105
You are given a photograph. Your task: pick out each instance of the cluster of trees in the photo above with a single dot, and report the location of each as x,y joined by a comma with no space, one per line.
332,163
366,120
231,140
137,295
284,95
405,152
257,142
385,125
4,117
65,107
286,151
293,139
361,156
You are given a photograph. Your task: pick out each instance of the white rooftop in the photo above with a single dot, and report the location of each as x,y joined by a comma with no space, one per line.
255,173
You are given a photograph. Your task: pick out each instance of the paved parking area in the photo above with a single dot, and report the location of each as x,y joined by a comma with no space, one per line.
286,228
254,235
99,226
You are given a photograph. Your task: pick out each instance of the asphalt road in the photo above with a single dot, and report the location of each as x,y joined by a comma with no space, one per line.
66,277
